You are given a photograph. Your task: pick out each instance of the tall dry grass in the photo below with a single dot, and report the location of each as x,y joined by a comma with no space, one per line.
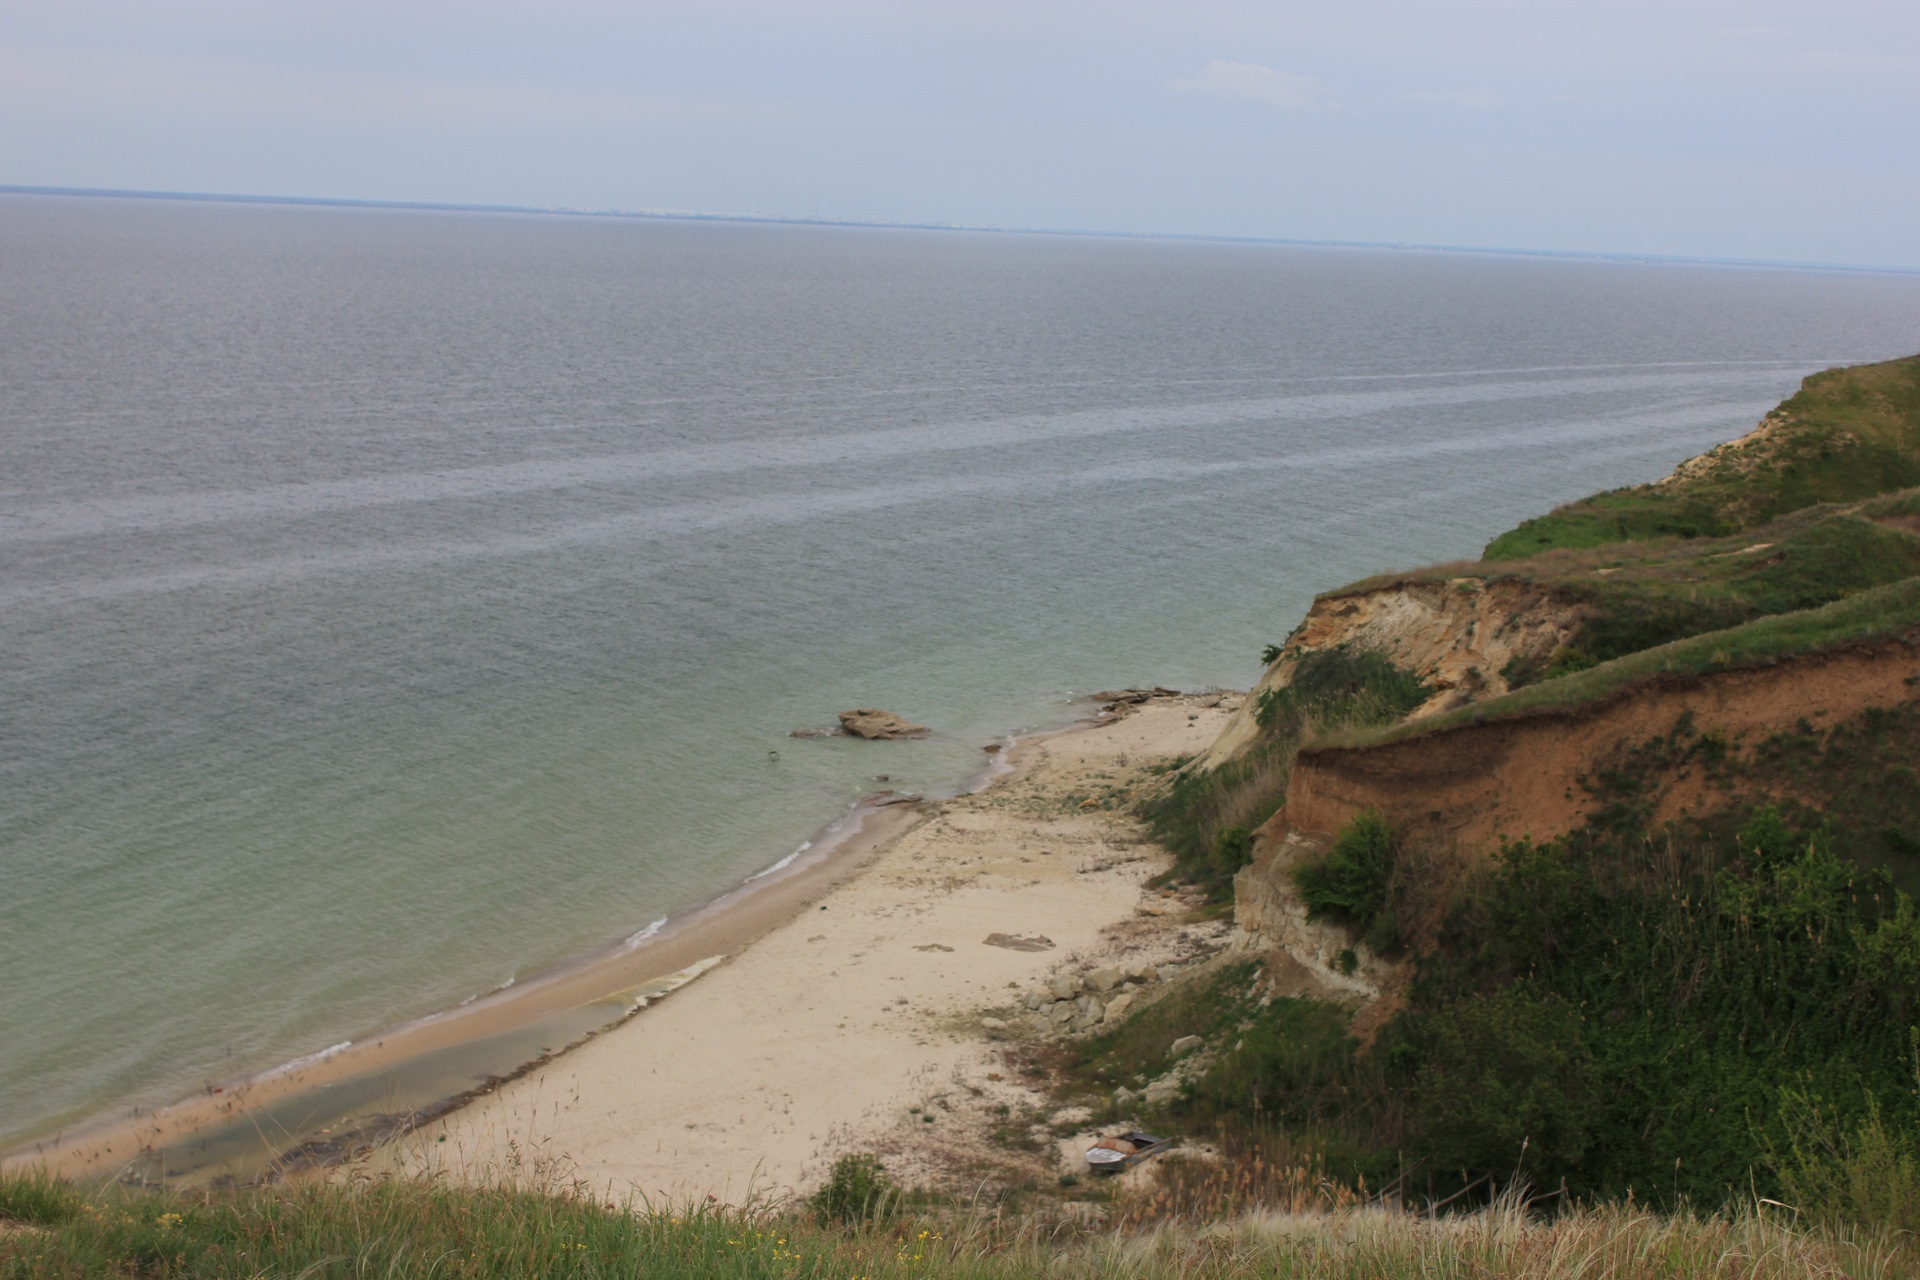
410,1228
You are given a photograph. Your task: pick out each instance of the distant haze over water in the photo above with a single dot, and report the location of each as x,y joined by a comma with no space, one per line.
395,603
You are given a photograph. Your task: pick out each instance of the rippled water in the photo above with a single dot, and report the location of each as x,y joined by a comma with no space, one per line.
394,603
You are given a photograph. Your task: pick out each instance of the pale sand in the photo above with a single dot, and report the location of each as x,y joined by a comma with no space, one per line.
127,1145
827,1033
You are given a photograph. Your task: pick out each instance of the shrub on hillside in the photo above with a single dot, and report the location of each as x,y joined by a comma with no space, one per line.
1506,1082
1870,1174
858,1189
1232,850
1353,883
1345,686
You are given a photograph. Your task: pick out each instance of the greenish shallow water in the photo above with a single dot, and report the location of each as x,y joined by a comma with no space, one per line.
395,604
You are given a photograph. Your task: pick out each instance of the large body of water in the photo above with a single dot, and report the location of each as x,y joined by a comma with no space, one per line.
395,603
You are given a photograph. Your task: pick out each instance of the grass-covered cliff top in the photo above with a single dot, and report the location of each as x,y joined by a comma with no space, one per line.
1883,613
1848,434
1818,504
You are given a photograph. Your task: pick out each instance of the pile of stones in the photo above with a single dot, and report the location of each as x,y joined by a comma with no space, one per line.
1075,1002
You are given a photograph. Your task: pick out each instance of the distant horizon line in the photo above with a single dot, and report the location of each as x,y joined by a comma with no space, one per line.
666,215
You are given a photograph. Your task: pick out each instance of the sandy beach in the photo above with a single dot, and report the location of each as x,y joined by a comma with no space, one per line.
856,1025
836,1006
318,1108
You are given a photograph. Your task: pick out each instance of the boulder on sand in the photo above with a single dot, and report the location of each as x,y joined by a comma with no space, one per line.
872,722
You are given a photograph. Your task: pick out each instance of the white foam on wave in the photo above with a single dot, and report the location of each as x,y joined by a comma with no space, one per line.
308,1059
783,864
646,934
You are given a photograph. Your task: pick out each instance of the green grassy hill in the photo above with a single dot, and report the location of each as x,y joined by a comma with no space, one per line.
1849,434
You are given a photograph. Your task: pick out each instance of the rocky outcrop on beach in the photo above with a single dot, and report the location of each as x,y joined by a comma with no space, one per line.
1075,1001
873,723
1079,1002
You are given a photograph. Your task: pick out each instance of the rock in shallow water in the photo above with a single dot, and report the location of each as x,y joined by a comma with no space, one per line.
872,722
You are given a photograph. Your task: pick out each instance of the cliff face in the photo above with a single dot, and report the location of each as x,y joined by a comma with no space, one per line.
1473,784
1816,506
1455,793
1460,635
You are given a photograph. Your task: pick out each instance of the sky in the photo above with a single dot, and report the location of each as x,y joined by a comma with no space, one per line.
1768,130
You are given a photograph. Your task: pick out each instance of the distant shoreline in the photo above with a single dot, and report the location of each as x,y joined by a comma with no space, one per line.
771,219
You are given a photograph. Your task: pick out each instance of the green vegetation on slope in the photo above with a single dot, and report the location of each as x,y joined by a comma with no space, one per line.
1670,1001
1673,591
1617,1012
1354,881
1205,818
1355,698
1689,1013
1848,434
1724,1006
1634,596
1753,553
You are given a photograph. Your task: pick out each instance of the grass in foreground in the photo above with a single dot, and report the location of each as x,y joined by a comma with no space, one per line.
419,1229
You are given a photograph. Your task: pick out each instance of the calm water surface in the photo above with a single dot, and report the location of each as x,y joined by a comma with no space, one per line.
393,604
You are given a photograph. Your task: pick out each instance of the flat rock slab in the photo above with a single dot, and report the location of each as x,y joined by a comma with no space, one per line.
1038,942
1133,696
872,722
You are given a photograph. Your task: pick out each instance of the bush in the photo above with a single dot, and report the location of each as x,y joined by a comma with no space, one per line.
1202,816
1503,1073
1197,810
1870,1177
1232,850
1292,1062
1343,687
1353,881
857,1190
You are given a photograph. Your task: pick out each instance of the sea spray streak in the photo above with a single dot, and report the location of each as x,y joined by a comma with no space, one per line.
788,507
829,450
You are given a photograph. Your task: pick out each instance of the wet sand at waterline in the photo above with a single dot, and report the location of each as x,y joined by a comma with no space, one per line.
239,1129
837,1030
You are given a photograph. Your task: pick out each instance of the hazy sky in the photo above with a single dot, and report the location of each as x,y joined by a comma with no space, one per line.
1781,131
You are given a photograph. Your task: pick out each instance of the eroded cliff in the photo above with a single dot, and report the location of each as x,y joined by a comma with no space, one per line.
1462,636
1598,587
